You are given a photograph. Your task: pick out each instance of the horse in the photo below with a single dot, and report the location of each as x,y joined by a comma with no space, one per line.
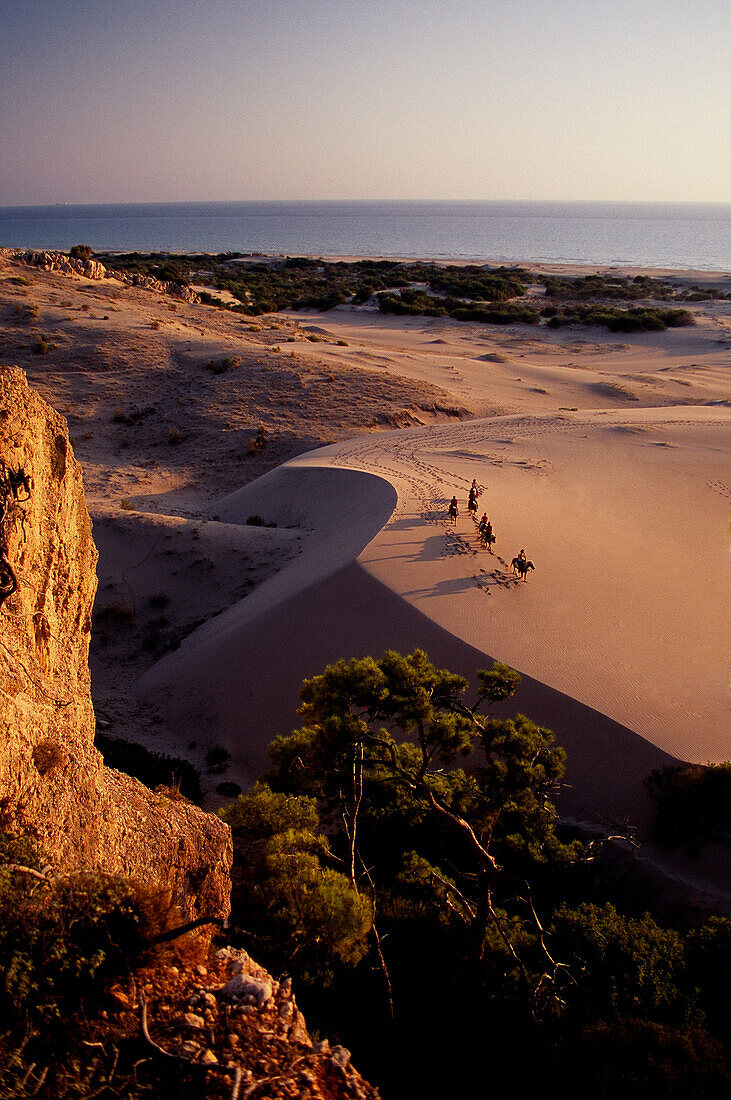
472,507
487,538
521,566
453,512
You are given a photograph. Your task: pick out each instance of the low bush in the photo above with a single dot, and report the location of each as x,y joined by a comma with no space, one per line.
692,804
60,942
151,768
217,759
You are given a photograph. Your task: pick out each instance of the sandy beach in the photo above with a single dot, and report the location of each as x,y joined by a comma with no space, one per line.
605,456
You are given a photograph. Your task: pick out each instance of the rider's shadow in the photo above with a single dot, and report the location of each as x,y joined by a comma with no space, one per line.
445,588
432,549
405,524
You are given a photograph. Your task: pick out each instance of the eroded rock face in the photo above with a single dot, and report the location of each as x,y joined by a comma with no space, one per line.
52,778
92,269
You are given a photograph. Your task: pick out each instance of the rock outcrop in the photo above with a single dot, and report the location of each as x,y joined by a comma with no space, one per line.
92,269
52,779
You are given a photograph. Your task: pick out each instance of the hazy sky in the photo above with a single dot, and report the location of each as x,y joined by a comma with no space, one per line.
144,100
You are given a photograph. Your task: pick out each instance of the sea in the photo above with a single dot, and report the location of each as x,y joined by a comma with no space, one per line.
682,236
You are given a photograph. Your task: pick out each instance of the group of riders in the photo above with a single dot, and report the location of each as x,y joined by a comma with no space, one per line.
484,527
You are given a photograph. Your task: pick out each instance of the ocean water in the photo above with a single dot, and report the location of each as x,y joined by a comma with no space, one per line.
663,235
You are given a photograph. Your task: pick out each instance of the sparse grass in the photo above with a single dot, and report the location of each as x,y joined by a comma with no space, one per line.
41,346
127,505
175,437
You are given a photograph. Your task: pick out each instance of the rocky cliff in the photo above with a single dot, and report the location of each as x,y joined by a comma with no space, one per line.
52,778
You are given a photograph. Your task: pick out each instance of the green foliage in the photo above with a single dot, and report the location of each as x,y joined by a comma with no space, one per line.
151,768
692,804
301,909
379,752
81,252
625,966
60,942
622,320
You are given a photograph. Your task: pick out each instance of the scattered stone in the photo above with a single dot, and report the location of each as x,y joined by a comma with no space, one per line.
340,1057
193,1020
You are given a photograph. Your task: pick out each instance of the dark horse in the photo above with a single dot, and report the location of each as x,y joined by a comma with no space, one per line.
521,567
487,538
453,512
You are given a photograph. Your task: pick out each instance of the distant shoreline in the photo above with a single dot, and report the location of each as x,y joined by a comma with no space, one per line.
657,236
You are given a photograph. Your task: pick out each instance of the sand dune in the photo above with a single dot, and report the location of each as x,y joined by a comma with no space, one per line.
606,663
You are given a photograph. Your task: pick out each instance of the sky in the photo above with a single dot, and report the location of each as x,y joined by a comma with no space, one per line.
177,100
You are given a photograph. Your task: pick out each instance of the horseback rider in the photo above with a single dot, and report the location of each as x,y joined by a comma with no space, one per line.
453,510
483,523
521,556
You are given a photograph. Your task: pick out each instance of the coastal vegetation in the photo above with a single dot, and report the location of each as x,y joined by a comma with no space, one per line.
470,292
402,858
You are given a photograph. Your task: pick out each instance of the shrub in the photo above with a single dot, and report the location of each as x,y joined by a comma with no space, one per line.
228,789
41,346
258,443
258,521
151,768
220,366
59,944
692,804
47,754
81,252
217,759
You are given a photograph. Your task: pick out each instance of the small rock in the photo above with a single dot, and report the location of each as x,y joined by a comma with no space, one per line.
340,1057
248,989
202,971
209,1000
193,1020
208,1058
322,1048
